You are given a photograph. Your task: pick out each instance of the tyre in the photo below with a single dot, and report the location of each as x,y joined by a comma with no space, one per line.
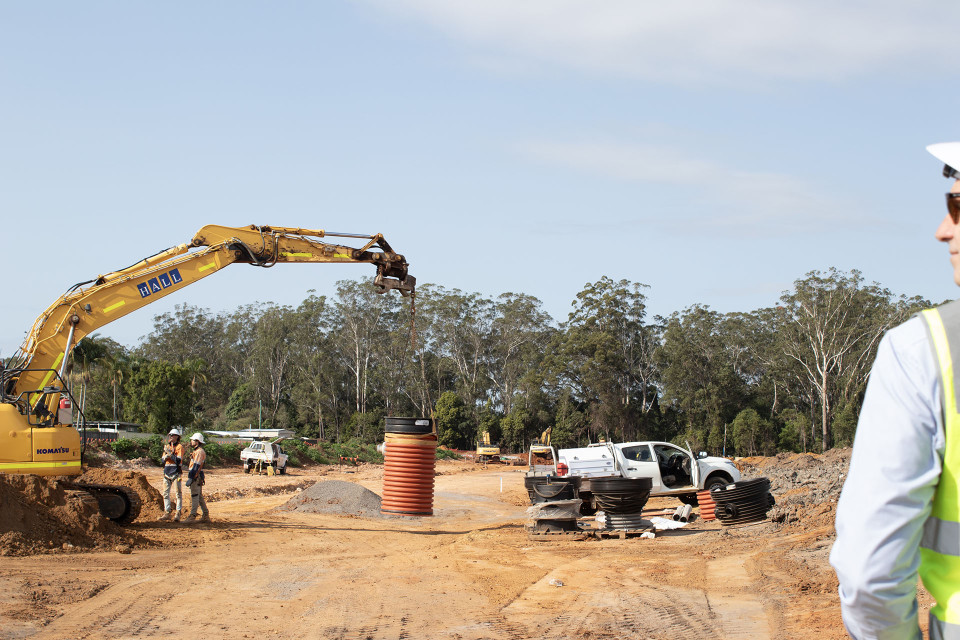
715,482
246,468
283,470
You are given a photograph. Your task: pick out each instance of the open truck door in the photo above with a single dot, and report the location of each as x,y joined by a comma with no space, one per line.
694,467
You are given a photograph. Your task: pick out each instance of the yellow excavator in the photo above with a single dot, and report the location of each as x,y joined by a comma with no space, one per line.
37,435
487,452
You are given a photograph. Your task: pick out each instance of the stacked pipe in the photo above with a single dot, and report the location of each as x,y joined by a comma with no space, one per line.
706,505
551,488
555,515
744,501
409,463
682,514
622,500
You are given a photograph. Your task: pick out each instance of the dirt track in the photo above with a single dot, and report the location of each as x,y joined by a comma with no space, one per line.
469,572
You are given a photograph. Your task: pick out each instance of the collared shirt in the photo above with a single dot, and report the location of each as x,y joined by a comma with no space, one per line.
888,493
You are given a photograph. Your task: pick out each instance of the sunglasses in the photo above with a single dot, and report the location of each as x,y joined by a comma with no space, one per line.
953,207
953,204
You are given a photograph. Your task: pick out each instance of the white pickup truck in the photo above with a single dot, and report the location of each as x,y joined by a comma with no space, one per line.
673,470
267,456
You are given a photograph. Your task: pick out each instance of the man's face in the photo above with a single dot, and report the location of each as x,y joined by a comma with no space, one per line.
949,232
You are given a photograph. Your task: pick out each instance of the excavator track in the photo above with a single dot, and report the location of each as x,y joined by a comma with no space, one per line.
116,503
84,498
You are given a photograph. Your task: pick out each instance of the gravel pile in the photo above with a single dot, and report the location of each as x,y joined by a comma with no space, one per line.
335,496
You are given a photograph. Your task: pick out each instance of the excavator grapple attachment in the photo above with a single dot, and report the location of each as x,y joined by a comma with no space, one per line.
405,286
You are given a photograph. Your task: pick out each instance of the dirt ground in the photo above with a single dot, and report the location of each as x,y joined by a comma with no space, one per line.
469,572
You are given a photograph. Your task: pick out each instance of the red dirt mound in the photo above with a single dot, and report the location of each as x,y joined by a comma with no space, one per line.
151,500
40,514
44,514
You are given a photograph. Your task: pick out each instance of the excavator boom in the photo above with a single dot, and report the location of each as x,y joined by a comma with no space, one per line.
32,437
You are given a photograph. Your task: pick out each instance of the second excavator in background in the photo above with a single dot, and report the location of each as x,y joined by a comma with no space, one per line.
487,452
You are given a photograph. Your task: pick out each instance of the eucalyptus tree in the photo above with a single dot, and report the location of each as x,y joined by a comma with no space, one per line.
519,334
270,358
186,333
396,371
460,331
197,339
319,387
239,336
699,374
830,325
423,381
604,355
357,320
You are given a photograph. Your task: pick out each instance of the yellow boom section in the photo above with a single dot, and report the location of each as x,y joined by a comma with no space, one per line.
91,305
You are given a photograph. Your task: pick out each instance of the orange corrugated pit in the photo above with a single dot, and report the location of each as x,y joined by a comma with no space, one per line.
707,505
409,466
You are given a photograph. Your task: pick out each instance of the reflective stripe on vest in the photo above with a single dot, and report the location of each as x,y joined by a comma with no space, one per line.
940,630
940,545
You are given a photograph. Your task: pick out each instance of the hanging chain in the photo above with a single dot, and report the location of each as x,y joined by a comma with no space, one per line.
413,343
413,316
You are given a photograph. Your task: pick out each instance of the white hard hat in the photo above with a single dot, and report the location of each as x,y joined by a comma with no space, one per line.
198,437
174,432
948,153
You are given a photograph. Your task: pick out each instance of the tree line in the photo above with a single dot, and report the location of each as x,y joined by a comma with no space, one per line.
786,378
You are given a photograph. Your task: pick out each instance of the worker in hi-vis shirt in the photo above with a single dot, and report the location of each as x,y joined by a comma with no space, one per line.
899,512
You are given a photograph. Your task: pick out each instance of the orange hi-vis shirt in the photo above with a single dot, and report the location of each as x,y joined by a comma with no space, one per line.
197,457
173,468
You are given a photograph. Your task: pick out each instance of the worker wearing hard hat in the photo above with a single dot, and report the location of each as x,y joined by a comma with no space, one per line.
899,512
195,479
172,461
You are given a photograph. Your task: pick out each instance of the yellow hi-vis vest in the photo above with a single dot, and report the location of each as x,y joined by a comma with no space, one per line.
940,544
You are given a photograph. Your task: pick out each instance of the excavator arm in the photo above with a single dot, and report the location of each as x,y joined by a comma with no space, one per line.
32,378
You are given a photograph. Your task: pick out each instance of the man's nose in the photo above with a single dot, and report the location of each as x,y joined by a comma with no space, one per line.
946,230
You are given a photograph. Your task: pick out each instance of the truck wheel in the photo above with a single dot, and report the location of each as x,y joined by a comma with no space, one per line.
716,482
688,498
283,470
246,468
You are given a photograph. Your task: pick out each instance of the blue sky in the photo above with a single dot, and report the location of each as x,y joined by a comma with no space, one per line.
714,151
